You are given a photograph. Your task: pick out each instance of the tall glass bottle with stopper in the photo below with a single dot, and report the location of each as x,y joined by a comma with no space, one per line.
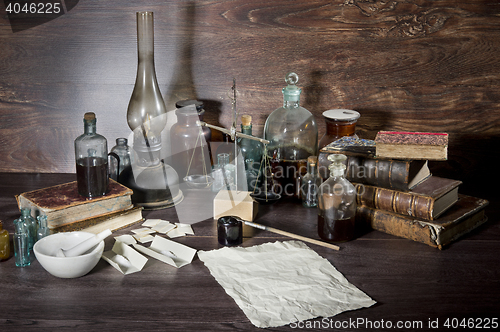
336,204
91,154
293,136
310,183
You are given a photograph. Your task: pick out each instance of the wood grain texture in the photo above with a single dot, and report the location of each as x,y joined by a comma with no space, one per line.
405,65
410,281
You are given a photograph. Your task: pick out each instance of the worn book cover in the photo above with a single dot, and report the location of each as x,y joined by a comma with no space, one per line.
63,205
112,221
428,200
411,145
465,215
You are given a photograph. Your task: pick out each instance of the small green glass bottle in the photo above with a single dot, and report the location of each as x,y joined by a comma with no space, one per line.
30,225
252,153
43,229
21,244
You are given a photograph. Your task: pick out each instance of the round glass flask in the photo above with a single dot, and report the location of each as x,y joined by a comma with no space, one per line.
293,136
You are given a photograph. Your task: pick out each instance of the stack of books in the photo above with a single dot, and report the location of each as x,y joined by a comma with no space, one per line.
67,211
398,195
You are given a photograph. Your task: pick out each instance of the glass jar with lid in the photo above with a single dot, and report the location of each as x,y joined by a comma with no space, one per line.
339,123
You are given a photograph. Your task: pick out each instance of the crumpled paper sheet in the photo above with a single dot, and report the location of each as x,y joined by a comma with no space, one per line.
280,283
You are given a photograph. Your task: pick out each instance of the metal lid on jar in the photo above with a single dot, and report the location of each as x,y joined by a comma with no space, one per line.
341,115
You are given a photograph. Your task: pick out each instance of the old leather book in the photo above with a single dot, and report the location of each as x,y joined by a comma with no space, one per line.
63,205
465,215
112,221
393,174
411,145
428,200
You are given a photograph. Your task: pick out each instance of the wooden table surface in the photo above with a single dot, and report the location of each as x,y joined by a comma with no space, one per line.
413,284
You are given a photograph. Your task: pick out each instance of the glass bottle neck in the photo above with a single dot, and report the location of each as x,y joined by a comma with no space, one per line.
291,104
312,169
89,127
247,130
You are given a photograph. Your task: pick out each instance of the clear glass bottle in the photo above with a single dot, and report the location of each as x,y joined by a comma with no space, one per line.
310,183
190,154
339,123
21,244
252,153
4,243
223,173
116,166
42,230
91,154
336,204
293,136
29,225
207,132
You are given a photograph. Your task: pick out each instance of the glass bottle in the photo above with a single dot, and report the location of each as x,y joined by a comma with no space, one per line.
336,204
310,183
223,173
207,132
91,154
190,154
43,230
252,153
4,243
116,166
29,226
21,244
293,136
339,123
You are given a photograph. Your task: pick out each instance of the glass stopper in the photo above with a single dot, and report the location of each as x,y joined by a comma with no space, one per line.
291,78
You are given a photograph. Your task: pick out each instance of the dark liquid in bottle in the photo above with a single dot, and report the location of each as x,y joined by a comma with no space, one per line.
340,230
92,176
287,175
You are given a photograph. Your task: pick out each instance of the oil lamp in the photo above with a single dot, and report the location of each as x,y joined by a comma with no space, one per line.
155,183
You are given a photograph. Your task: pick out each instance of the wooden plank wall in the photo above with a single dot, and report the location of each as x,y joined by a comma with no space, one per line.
412,65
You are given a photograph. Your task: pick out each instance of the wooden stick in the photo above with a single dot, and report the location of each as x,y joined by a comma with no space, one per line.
295,236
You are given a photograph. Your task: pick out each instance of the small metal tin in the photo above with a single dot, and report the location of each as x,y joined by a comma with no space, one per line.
229,231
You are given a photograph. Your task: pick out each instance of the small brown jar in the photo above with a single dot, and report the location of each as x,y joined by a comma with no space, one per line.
339,123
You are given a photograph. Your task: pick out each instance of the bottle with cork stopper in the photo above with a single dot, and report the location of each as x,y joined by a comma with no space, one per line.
91,155
336,203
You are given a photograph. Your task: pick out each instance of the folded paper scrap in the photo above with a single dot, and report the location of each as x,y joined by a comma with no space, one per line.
281,283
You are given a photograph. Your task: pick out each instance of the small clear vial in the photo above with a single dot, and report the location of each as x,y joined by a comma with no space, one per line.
21,244
310,183
43,229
